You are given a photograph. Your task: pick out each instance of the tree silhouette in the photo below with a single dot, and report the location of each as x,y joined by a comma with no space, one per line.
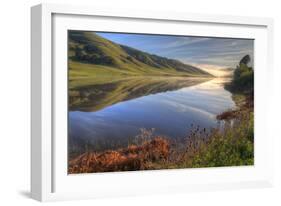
245,60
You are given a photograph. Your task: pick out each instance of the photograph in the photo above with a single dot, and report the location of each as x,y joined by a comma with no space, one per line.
157,101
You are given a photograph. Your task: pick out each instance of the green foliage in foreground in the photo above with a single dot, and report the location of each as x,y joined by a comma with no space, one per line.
233,148
230,145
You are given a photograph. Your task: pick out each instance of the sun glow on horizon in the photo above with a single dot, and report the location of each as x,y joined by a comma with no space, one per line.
218,71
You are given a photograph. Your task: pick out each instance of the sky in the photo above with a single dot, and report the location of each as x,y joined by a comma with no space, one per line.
206,52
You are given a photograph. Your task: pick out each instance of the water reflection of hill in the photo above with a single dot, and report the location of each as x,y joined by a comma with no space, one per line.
96,97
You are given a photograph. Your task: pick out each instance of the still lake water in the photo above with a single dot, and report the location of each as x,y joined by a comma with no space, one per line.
170,113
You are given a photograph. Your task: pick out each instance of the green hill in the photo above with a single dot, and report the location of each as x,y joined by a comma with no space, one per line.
96,59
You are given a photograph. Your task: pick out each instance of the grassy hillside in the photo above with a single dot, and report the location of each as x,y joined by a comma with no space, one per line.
96,59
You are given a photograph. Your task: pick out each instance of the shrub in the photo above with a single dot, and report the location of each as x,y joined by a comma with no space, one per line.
232,147
132,158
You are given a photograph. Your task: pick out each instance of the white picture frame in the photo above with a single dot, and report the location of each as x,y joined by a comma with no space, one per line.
49,179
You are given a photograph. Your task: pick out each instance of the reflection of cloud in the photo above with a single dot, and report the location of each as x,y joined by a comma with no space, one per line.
205,99
182,107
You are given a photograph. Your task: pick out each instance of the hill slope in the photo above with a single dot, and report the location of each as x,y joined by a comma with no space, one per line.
88,51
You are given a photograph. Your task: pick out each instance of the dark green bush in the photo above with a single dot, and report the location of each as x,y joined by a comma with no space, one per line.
243,79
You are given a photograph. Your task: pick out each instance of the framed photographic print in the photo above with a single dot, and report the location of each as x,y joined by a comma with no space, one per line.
137,102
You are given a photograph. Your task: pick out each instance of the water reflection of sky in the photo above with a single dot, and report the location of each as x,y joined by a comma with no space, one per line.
170,113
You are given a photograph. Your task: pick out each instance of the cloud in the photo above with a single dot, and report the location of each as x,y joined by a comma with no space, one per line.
181,42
